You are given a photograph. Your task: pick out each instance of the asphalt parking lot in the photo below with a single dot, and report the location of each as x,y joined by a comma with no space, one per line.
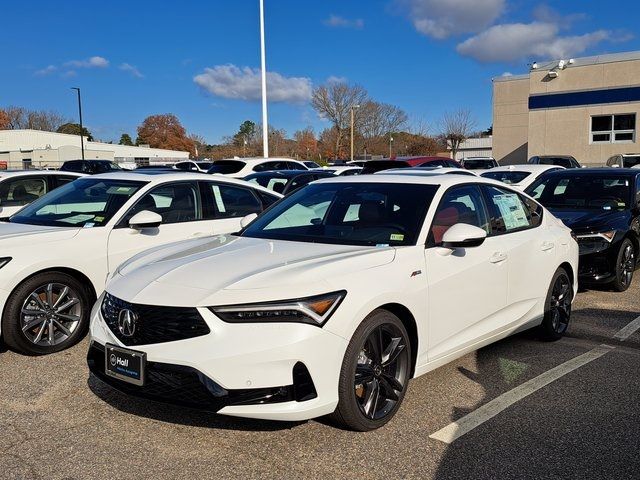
58,423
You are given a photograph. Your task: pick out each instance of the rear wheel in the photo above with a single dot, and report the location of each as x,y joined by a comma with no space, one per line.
625,266
47,313
375,373
557,311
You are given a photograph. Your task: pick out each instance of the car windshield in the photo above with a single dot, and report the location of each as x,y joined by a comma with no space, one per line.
606,192
375,214
226,166
478,164
630,161
86,202
508,177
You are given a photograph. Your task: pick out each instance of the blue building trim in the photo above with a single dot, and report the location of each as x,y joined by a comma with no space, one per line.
588,97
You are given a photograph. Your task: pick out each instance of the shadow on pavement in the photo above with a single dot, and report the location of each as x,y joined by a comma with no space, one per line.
180,415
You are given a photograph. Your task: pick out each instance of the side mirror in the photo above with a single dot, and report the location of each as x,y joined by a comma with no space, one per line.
463,235
244,223
145,219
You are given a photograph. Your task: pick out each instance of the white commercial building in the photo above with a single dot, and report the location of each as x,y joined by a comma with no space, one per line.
474,147
35,148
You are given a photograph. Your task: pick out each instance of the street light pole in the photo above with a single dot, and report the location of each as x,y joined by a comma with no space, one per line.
80,113
263,62
353,107
390,144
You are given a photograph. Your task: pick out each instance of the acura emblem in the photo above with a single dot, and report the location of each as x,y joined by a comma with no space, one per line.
127,322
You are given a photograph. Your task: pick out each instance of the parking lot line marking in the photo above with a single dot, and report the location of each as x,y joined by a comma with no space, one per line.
628,330
489,410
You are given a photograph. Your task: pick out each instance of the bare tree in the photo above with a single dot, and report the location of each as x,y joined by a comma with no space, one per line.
378,119
456,128
20,117
333,101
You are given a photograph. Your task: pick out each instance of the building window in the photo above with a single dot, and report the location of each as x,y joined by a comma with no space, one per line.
613,128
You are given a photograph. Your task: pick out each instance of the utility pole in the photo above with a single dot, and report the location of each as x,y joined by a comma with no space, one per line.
81,128
353,107
390,145
263,62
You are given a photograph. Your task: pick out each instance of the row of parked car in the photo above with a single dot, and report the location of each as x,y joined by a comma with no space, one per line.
221,293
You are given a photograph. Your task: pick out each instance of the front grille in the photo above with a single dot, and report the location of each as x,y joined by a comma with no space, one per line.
153,324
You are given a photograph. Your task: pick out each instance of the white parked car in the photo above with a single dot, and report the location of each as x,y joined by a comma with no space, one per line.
20,188
330,301
241,167
519,176
345,170
193,166
422,171
56,253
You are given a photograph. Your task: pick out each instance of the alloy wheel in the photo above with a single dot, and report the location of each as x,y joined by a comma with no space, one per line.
381,371
50,314
627,265
560,304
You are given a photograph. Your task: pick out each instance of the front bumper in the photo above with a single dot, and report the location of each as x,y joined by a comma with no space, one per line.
272,371
598,268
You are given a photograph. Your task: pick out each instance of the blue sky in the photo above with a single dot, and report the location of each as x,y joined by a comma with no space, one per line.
200,59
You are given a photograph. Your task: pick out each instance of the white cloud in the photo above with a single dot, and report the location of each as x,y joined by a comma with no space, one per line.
514,41
342,22
69,74
443,18
230,81
48,70
336,79
92,62
126,67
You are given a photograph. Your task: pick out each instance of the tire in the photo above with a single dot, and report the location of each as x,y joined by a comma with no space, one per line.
61,307
625,265
379,379
557,309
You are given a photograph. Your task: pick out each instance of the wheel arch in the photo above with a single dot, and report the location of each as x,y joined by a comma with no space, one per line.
409,322
572,274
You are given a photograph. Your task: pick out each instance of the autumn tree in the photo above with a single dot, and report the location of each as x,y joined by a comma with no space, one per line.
125,139
306,143
456,127
165,131
74,129
4,120
334,101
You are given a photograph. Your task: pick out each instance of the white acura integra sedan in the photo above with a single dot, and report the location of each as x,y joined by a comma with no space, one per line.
331,300
56,253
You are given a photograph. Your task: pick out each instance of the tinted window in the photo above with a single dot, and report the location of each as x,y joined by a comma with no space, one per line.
375,214
629,161
204,165
584,192
478,164
268,166
85,202
295,166
63,180
298,182
231,201
175,203
510,211
267,200
508,177
73,166
462,204
226,167
21,191
184,166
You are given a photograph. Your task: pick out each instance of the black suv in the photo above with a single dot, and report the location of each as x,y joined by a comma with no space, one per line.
602,207
566,161
90,167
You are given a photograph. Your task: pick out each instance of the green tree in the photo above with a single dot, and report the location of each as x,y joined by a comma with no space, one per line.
125,139
245,133
74,129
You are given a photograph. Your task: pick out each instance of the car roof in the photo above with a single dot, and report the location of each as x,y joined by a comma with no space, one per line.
427,171
525,167
257,160
386,177
602,171
20,173
282,173
554,156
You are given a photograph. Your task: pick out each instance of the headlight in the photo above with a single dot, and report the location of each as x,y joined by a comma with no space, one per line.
314,310
4,261
595,242
608,236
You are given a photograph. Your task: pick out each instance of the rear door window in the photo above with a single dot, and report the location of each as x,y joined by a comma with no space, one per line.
22,190
230,201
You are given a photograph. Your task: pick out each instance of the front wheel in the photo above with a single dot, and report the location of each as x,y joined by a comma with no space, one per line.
557,311
375,373
625,266
47,313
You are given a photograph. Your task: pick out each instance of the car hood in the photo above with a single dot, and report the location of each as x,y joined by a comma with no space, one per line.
224,268
19,234
587,221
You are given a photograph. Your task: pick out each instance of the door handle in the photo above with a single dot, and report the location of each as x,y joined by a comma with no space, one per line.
547,246
498,257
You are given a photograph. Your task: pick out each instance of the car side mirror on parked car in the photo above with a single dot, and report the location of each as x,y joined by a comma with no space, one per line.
463,235
246,220
145,219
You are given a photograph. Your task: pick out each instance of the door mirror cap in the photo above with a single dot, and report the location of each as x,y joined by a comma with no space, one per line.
145,219
244,223
463,235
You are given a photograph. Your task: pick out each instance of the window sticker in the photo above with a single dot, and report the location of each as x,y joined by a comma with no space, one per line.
512,211
88,225
396,237
98,219
218,198
120,190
